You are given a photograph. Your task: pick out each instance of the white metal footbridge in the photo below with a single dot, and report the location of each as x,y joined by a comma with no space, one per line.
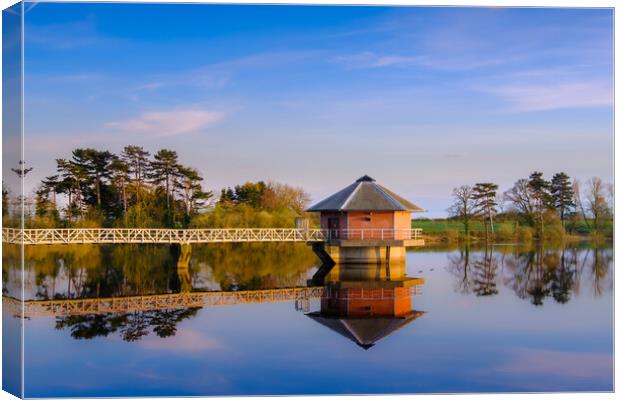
88,306
191,236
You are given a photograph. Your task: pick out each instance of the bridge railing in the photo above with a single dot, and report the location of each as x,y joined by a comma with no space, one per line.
86,306
168,236
161,236
374,234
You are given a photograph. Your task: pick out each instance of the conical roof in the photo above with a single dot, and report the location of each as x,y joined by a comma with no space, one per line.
364,331
365,194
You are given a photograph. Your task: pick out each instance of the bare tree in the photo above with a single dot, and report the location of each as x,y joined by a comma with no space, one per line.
578,202
597,203
610,197
463,207
278,195
520,197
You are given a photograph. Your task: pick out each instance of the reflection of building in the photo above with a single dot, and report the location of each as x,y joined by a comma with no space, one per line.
364,220
364,305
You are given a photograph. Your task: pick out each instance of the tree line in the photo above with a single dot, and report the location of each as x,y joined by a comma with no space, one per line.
132,187
256,205
558,204
93,188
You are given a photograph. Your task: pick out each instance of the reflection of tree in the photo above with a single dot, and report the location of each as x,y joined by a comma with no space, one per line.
459,266
537,273
539,285
529,277
572,260
164,323
477,272
601,259
85,271
10,265
144,269
131,326
250,266
65,272
90,326
563,278
484,270
136,327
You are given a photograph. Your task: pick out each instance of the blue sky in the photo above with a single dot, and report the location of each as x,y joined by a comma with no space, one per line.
422,99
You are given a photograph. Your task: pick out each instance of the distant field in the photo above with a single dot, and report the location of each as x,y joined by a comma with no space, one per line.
441,226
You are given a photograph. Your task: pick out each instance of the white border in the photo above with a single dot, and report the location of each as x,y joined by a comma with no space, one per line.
478,3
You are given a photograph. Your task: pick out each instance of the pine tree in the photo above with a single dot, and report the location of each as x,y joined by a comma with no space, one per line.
542,200
562,194
73,178
44,206
189,185
164,171
5,202
227,197
52,184
137,160
485,198
95,165
120,177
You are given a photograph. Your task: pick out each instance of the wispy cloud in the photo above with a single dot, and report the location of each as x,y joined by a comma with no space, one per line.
167,123
219,74
436,61
370,59
553,96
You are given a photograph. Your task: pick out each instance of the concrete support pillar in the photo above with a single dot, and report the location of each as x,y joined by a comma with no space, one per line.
183,268
366,255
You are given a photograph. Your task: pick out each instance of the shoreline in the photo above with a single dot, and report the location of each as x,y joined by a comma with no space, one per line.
445,239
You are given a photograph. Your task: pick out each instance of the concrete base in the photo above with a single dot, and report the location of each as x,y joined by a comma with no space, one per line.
376,261
404,282
366,255
376,243
366,273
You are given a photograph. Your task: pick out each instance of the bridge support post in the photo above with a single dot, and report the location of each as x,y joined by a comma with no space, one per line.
185,256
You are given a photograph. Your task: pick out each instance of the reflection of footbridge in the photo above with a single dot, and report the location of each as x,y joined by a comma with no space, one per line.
190,236
59,308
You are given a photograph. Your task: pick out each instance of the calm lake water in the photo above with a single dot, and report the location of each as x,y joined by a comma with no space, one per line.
504,318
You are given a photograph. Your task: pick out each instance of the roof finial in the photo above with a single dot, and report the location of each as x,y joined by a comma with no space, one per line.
365,178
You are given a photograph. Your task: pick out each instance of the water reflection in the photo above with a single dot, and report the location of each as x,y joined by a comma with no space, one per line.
64,273
130,326
476,273
362,303
486,318
93,271
534,273
366,303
